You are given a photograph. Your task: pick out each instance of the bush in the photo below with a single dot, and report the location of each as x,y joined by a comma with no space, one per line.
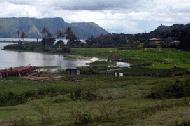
12,98
140,71
108,112
182,123
76,94
44,112
83,94
89,94
81,117
176,90
24,122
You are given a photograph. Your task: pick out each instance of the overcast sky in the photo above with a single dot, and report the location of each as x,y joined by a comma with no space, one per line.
128,16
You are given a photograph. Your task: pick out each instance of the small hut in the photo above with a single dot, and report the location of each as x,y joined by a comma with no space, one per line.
119,74
73,72
174,43
155,42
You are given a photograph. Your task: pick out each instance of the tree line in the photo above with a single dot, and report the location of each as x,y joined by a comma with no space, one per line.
168,34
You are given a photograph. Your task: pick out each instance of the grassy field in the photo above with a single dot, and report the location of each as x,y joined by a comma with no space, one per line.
92,100
159,58
150,95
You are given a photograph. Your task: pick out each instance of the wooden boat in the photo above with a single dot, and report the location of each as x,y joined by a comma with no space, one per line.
17,71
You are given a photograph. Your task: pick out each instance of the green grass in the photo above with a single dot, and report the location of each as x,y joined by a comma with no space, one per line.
102,99
159,58
119,101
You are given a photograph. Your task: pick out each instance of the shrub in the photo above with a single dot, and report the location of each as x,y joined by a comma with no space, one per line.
43,111
81,117
89,94
108,112
83,94
182,123
175,90
24,122
76,94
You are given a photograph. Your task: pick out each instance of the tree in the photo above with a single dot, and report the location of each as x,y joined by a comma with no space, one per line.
23,35
37,36
185,40
18,33
183,35
70,35
109,40
60,34
47,38
46,33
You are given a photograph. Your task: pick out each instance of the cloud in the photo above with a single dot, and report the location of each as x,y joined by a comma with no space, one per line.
80,4
129,16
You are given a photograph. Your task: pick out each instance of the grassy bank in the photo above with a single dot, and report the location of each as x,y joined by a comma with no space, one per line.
158,58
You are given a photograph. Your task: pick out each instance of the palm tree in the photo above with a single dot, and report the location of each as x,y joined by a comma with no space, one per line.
70,35
23,35
60,34
18,33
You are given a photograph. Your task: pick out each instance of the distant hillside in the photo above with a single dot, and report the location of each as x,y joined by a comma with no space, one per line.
84,29
164,31
33,26
176,32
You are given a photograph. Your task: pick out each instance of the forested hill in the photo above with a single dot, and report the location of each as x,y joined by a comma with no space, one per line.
33,26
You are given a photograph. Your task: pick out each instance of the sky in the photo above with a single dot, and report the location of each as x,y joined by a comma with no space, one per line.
116,16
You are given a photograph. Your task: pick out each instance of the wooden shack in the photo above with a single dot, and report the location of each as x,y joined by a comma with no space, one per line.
119,74
72,72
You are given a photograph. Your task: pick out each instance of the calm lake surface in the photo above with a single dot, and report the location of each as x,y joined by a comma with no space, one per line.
17,39
14,59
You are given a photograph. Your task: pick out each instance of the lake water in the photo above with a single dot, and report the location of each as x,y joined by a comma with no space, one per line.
122,64
17,39
15,59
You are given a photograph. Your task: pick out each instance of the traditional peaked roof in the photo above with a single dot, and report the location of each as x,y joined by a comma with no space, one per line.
155,39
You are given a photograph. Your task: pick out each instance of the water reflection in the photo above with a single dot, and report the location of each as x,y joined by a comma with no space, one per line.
123,64
14,59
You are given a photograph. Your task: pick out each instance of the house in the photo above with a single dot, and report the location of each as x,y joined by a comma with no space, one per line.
174,43
61,47
59,44
63,39
72,72
119,74
155,42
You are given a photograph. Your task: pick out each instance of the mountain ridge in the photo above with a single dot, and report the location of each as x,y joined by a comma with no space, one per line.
33,26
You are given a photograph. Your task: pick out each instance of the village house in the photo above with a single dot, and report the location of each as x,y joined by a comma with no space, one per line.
119,74
155,42
72,72
174,43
